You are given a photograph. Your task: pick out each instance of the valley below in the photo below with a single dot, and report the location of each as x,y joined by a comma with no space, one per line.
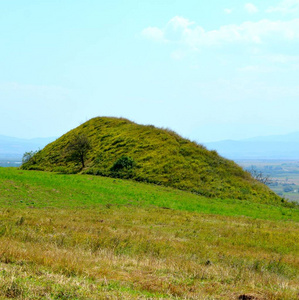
283,175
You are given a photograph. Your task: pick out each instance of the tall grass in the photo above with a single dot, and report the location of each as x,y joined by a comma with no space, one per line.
85,237
151,252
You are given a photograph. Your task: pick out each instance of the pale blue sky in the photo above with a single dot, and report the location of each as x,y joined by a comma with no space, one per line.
209,70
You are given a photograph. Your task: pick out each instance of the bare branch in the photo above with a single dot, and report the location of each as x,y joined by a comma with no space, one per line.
260,176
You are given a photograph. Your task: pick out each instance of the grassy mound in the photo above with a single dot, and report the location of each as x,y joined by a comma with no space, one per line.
121,148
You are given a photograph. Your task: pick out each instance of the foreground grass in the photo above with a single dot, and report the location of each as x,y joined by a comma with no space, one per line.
80,237
153,252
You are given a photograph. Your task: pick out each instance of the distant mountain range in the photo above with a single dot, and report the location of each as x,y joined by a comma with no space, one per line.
263,147
14,148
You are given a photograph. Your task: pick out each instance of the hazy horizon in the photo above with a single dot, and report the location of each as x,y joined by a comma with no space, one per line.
212,141
202,141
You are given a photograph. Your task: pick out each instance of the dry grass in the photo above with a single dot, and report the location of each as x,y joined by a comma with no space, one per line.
144,253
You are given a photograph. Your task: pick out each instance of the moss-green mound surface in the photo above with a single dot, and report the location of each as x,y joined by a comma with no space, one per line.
154,155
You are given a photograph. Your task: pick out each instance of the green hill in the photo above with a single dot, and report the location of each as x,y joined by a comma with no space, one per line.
124,149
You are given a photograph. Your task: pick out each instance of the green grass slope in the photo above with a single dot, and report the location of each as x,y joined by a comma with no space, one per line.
90,237
22,189
160,155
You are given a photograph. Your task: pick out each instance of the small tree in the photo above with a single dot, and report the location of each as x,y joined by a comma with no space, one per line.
27,156
123,163
259,176
123,167
78,148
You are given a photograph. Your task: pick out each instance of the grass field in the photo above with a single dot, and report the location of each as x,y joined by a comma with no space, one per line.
88,237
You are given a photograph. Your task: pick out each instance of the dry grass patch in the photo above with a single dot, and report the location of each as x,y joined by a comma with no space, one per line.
145,253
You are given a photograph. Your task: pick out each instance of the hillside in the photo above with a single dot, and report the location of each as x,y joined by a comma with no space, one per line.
89,237
159,156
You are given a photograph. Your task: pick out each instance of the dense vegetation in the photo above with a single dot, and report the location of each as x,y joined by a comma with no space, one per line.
88,237
122,149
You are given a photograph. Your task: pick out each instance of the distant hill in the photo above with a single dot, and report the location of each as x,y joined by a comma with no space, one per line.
268,147
14,148
160,156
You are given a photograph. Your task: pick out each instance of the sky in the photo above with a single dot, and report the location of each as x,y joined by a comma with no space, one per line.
210,70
